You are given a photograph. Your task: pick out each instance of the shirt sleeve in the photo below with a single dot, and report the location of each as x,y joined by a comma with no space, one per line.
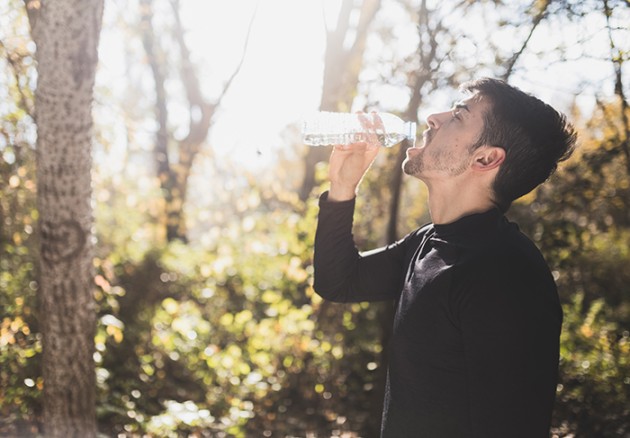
510,323
342,273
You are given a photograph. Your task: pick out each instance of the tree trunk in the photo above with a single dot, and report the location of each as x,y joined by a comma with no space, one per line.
66,33
173,174
341,76
617,61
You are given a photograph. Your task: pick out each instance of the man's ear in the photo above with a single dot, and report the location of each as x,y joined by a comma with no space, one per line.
488,158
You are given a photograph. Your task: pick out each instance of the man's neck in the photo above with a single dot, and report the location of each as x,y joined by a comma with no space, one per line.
447,205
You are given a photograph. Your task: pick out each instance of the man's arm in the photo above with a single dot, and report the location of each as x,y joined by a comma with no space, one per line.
342,273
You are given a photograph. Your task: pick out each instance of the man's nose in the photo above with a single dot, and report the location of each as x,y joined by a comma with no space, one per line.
436,119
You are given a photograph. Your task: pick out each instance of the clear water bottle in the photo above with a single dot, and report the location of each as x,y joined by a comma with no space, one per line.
329,128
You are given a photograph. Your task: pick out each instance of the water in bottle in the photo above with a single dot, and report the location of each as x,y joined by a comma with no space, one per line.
330,128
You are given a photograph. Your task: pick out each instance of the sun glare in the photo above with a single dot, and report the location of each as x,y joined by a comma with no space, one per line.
281,74
280,78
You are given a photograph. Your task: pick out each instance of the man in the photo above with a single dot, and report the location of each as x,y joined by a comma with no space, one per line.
475,344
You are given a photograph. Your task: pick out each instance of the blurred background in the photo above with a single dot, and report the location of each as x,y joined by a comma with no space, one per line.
205,204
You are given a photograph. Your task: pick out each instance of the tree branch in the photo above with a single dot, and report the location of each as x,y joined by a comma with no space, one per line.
617,60
33,8
25,103
227,85
542,12
148,41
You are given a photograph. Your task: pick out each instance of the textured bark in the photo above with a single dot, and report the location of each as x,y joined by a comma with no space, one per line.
66,33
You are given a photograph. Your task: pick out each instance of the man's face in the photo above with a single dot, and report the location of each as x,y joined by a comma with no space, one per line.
446,150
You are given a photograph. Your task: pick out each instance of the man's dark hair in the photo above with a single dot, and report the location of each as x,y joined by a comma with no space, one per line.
535,138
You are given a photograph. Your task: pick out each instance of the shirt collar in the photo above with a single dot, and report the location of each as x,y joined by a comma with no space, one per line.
470,229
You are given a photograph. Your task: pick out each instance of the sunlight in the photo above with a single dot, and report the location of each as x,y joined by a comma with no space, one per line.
281,75
280,78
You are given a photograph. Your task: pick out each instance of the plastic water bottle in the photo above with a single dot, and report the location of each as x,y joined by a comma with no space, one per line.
329,128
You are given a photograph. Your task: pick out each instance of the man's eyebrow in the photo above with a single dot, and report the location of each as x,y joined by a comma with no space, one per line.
461,105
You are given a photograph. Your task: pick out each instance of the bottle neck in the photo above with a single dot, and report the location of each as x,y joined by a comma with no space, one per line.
411,133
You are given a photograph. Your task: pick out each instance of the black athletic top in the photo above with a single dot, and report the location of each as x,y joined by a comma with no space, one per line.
475,344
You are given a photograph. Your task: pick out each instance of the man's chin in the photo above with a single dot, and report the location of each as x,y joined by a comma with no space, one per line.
412,165
409,167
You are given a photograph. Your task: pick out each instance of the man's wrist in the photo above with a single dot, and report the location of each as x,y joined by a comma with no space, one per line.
340,194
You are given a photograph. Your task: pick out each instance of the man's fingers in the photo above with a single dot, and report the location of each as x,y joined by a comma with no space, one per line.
365,121
352,147
378,122
373,127
374,131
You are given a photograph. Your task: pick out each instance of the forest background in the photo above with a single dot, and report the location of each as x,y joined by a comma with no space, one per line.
156,268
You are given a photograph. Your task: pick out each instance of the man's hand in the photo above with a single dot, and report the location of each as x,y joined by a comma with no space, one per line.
349,163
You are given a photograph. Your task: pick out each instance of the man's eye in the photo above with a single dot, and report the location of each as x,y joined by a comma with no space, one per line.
456,114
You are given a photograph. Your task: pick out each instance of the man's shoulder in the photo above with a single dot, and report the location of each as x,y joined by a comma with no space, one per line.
418,234
510,254
425,229
516,246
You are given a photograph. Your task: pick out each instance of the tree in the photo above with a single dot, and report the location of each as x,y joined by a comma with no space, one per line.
617,59
174,158
66,33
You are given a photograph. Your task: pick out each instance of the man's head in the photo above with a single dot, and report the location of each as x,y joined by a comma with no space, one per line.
535,138
499,128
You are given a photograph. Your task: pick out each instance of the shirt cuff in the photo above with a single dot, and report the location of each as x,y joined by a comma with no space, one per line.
324,201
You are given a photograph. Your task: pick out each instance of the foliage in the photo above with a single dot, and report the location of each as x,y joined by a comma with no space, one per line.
20,340
594,387
230,338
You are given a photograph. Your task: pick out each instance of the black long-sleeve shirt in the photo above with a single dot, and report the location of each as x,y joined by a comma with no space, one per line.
475,344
